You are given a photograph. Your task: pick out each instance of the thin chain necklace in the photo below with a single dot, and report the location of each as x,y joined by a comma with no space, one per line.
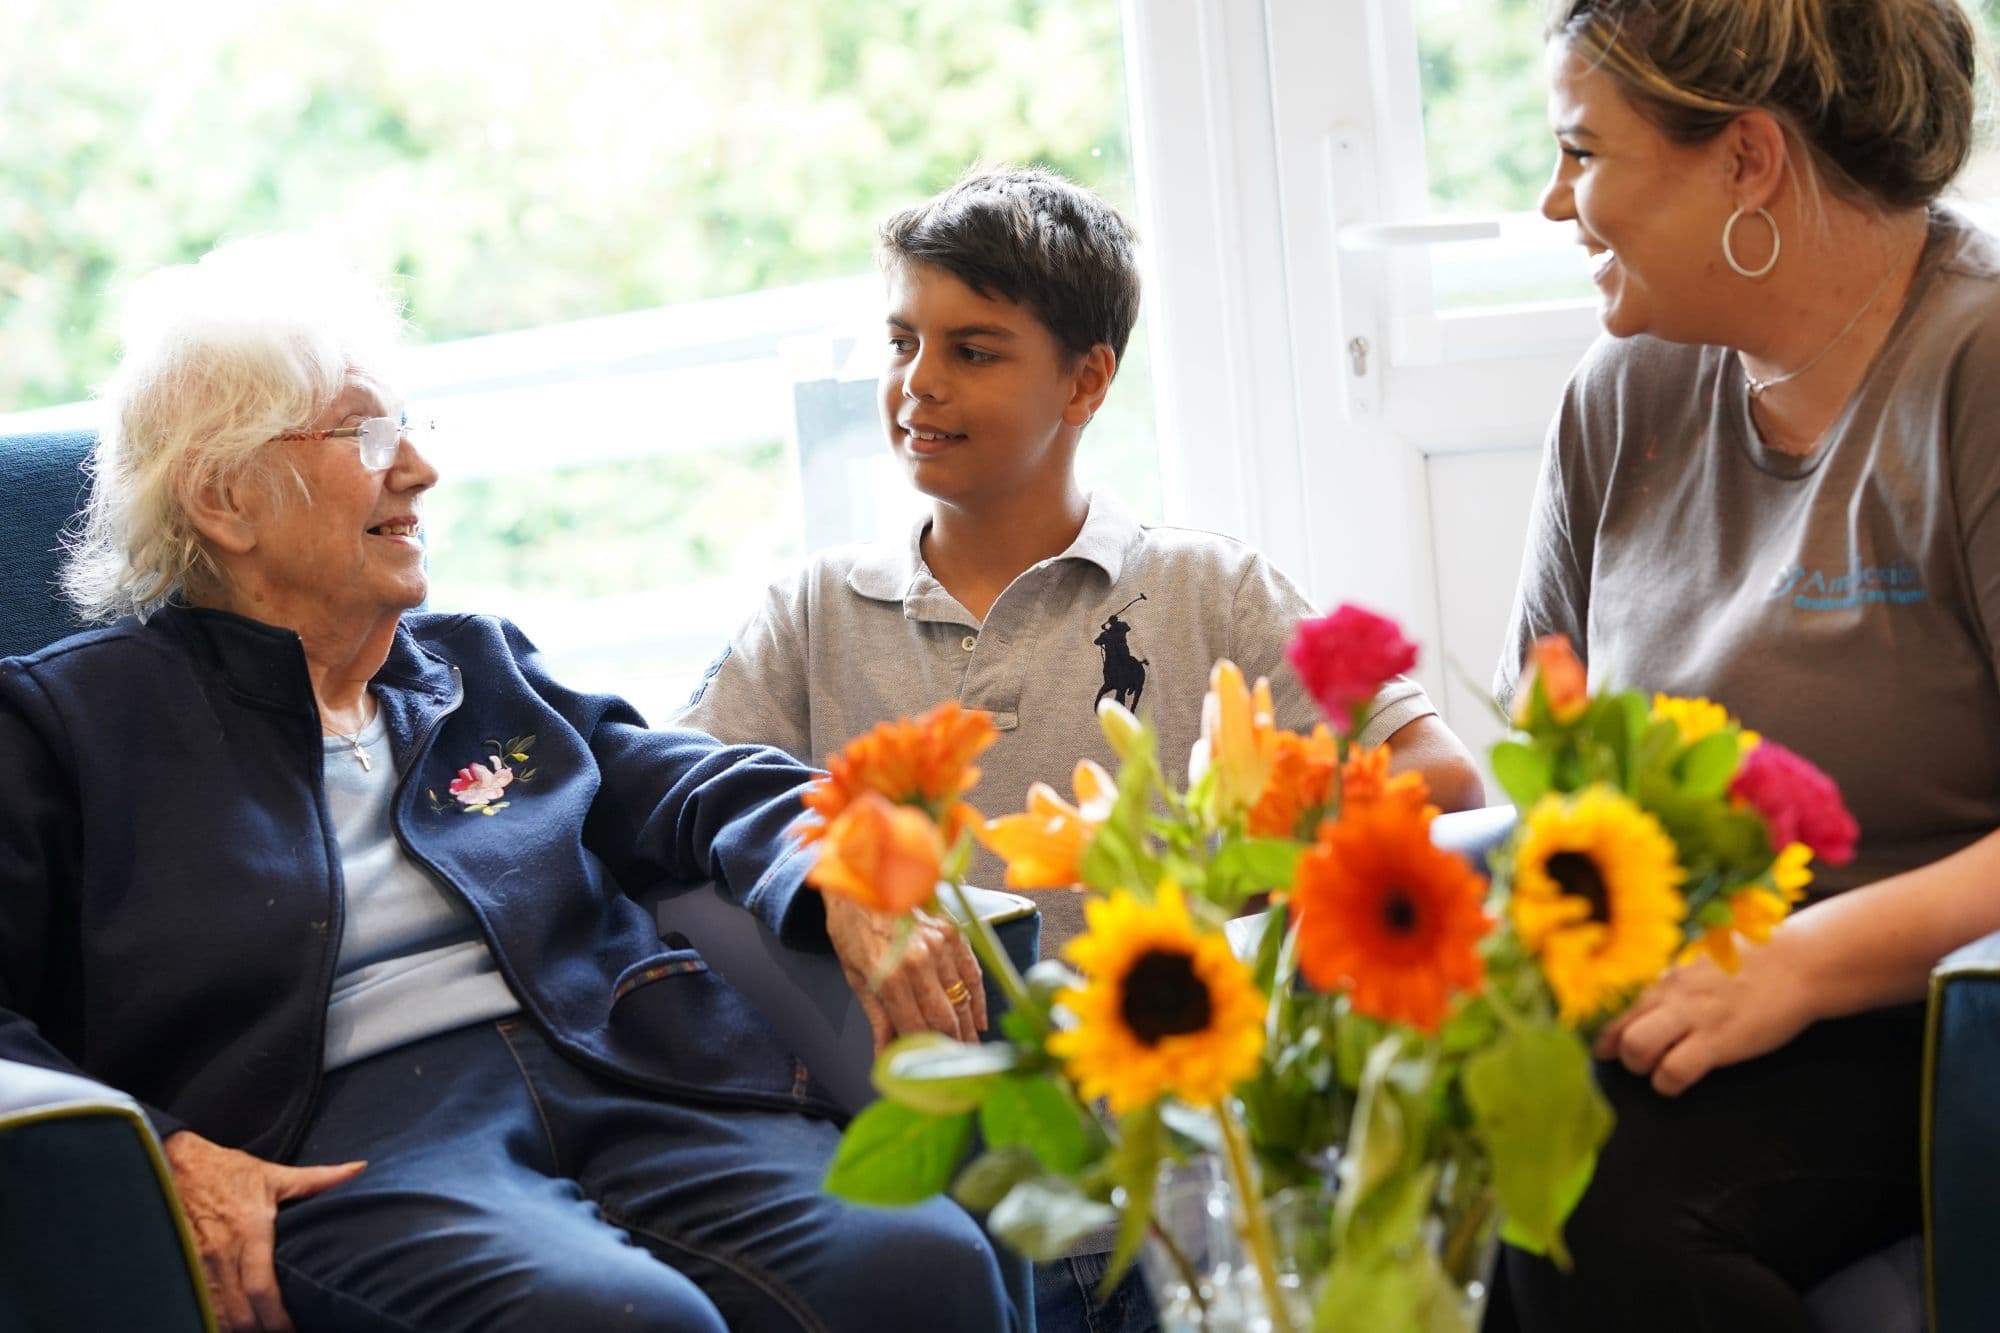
353,740
1757,386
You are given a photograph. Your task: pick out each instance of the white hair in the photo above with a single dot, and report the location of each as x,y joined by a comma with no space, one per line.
256,339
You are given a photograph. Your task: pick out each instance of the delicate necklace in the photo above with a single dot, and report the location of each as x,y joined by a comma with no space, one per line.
1757,386
353,740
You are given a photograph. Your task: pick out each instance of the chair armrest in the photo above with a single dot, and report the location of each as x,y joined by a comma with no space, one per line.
92,1233
1961,1138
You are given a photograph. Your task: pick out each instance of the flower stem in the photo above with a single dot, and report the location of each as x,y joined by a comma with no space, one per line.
986,947
1255,1227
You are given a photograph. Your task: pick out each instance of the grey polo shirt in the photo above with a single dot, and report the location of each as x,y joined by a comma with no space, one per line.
1134,611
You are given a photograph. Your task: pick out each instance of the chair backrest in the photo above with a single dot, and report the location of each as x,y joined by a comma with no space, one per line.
44,488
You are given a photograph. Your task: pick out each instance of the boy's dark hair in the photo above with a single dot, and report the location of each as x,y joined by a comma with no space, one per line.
1031,236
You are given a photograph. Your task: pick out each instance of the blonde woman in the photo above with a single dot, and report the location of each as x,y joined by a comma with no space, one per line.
1777,483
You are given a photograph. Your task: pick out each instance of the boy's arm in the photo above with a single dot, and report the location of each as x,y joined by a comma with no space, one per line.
756,692
1429,747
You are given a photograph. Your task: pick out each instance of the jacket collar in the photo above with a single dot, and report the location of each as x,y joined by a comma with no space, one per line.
266,664
897,573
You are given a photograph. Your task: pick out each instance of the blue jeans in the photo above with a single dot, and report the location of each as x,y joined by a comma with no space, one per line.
509,1189
1066,1298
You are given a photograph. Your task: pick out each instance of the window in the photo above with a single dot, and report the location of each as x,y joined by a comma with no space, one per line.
630,231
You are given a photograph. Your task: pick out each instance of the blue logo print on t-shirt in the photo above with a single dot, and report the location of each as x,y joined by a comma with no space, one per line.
1897,583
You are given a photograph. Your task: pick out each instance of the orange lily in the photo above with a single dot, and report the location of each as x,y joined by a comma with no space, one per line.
1238,744
1044,846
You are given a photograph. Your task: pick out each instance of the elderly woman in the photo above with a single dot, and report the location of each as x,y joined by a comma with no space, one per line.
1778,485
339,892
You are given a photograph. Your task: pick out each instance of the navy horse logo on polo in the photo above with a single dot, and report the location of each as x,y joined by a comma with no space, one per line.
1124,670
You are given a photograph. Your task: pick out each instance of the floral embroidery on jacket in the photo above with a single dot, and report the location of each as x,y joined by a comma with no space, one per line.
478,788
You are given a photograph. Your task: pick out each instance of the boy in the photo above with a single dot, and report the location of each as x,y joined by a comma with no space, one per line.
1010,299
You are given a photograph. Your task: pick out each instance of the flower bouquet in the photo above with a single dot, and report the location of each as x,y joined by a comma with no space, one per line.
1387,1066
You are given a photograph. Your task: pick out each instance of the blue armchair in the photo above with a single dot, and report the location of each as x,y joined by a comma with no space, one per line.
91,1233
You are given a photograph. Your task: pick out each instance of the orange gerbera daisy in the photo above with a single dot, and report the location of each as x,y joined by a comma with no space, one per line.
1043,848
882,855
1299,787
1389,917
925,763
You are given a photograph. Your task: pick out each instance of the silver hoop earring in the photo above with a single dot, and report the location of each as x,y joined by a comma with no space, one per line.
1729,252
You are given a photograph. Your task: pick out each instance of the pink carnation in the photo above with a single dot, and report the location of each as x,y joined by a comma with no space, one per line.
1799,803
1344,658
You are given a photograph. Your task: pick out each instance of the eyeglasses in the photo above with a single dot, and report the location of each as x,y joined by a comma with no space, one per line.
378,438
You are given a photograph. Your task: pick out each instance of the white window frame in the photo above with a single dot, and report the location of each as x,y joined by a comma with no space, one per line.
1285,207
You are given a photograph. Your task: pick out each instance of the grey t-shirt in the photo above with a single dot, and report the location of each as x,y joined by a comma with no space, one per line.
865,634
1846,604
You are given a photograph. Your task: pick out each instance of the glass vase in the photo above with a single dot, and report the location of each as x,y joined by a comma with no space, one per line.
1203,1281
1196,1263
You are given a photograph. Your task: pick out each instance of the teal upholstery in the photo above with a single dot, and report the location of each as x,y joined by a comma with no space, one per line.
1962,1139
45,486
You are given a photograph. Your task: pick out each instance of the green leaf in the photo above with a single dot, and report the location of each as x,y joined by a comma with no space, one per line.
1378,1138
1404,1293
1522,771
1049,977
1536,1107
1020,1031
895,1154
1135,1167
1036,1112
931,1072
1246,866
1710,763
1046,1216
1197,1126
1112,861
985,1182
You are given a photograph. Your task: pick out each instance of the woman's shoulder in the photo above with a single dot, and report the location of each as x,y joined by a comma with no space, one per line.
1961,306
1623,370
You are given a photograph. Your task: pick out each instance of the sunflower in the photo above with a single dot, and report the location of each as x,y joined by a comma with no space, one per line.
1167,1008
1044,846
1596,897
1698,719
1389,917
1755,912
1299,787
925,763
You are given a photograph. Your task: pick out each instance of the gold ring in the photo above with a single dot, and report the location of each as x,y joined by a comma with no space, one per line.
957,993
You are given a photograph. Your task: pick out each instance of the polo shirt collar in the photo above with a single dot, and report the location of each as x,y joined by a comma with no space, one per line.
886,572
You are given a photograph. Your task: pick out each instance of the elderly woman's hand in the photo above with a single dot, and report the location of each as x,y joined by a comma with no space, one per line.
932,985
1699,1018
231,1200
